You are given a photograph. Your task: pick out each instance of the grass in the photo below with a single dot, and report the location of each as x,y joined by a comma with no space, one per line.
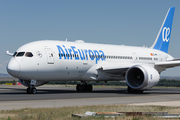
65,113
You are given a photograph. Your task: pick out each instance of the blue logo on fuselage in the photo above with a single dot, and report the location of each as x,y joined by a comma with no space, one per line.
80,54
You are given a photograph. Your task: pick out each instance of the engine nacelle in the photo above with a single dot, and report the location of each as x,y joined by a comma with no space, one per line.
142,77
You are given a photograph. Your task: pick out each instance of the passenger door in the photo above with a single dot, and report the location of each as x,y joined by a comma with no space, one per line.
49,54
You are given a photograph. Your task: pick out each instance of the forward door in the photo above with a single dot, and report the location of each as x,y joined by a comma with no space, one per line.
49,54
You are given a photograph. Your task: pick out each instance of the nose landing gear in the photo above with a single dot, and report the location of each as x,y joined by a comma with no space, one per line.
31,89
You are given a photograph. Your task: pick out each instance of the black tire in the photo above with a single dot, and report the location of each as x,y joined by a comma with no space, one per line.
89,88
78,87
140,91
84,87
28,91
131,90
33,91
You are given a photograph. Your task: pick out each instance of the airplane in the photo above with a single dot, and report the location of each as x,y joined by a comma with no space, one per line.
38,62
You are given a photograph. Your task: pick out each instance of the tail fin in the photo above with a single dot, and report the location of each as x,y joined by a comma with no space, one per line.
163,37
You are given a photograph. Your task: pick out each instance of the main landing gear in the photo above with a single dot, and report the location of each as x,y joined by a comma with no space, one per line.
31,90
131,90
84,87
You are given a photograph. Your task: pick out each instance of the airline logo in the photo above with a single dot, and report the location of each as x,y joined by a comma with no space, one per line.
166,34
80,54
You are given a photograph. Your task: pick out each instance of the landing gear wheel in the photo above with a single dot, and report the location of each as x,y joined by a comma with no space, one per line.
89,88
30,90
140,91
78,87
33,91
131,90
84,87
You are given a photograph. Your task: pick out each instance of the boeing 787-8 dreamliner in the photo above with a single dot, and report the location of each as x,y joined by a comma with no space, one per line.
36,63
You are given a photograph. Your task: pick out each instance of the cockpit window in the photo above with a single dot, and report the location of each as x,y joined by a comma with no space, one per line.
28,54
20,54
14,54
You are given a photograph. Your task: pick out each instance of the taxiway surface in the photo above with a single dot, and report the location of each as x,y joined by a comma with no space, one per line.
15,97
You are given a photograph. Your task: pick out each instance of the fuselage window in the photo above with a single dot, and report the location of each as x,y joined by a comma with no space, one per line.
76,55
116,57
155,58
28,54
20,54
145,58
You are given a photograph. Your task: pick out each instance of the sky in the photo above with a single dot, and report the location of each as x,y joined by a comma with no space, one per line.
120,22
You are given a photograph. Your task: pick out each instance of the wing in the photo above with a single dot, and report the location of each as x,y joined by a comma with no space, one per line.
160,66
117,71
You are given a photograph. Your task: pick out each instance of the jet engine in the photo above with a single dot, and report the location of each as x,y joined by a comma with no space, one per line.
140,77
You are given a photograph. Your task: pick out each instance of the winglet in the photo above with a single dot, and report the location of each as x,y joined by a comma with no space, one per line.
163,37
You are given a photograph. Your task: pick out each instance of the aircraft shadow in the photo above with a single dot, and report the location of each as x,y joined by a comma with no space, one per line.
113,91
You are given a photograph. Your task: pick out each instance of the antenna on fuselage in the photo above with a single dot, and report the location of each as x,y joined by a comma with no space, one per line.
66,40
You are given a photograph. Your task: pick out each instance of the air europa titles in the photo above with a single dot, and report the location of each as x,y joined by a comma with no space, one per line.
80,54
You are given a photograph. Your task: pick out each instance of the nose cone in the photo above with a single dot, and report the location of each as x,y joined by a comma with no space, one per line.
13,68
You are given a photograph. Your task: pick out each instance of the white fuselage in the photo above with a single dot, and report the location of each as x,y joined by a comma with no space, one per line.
80,62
